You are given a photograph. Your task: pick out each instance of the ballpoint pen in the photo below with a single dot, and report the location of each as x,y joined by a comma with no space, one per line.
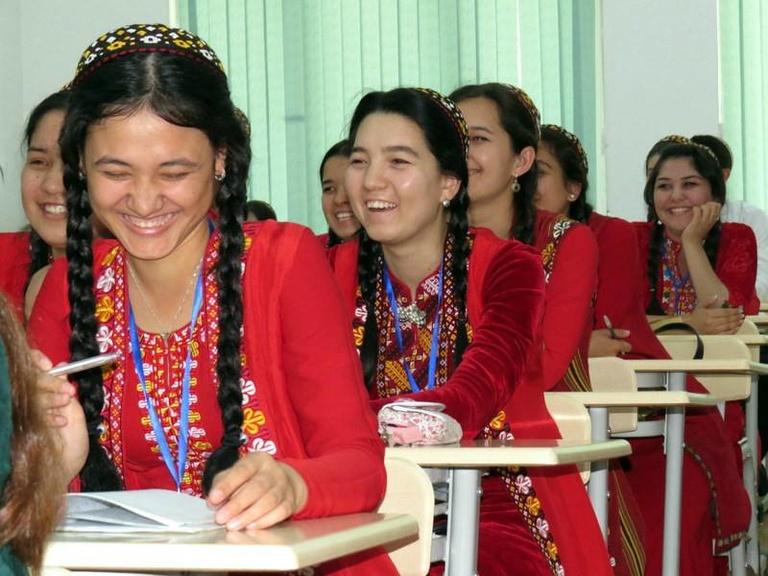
608,325
84,364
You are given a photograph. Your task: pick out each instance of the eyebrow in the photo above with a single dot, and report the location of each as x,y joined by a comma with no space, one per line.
183,162
481,129
37,149
390,149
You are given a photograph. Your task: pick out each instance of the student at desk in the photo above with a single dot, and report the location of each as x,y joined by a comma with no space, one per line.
237,376
563,171
448,313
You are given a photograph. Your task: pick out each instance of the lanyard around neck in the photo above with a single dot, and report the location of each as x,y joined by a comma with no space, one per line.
175,467
435,332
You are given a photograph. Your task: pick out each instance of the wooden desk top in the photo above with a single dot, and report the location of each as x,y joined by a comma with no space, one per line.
287,546
650,398
749,339
760,319
707,366
490,453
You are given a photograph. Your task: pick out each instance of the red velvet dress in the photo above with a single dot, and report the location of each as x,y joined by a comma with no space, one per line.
710,473
14,264
500,369
735,265
302,396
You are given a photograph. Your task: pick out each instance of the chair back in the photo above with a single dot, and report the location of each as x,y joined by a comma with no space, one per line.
409,491
572,419
611,374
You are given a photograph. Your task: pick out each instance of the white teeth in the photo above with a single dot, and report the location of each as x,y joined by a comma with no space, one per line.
344,215
380,205
679,210
150,223
54,209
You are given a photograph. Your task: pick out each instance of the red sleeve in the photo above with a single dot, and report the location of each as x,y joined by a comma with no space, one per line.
736,265
643,239
345,469
505,330
568,308
14,264
48,325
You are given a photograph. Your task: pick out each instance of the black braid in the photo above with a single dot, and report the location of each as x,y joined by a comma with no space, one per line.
712,243
230,201
99,472
458,227
652,265
40,255
370,262
525,211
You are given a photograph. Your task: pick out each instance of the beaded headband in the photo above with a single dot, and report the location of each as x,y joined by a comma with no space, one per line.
572,140
136,38
454,115
677,139
528,104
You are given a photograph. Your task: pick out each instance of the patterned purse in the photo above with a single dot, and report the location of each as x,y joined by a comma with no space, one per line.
410,422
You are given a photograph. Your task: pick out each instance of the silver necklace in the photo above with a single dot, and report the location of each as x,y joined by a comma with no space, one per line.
412,314
165,331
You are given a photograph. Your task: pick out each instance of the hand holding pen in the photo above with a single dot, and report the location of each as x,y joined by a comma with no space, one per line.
609,341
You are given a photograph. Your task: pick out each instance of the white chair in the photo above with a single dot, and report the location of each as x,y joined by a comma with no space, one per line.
573,422
409,491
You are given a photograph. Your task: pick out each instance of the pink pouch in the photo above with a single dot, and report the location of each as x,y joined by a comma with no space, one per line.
409,422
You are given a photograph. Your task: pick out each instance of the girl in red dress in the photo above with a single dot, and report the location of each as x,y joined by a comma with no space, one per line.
342,223
563,183
22,254
451,314
237,378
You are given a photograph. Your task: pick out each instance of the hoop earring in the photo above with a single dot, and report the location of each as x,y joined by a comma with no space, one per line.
219,176
515,185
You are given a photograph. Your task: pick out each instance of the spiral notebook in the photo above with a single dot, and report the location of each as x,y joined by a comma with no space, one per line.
151,510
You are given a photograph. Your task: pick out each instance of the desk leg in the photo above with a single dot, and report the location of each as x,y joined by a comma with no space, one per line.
673,443
598,478
750,476
463,522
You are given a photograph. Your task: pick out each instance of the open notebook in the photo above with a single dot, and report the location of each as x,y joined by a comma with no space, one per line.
137,511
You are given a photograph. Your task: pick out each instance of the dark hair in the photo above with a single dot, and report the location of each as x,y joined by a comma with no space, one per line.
660,145
522,128
719,148
40,252
260,209
572,165
341,148
32,496
706,165
447,146
186,93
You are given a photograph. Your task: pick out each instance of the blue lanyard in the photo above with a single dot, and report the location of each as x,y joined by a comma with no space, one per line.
175,468
435,332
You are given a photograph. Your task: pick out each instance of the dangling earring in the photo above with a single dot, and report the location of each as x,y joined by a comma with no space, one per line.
219,176
446,203
515,185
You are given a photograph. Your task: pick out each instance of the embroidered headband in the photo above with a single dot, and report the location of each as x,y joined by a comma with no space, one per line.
454,115
677,139
530,107
143,38
572,140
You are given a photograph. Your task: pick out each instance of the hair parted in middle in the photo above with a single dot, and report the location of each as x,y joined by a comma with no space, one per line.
177,77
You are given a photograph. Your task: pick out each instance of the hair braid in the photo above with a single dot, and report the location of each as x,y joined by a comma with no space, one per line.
458,228
39,253
712,243
99,472
230,201
654,257
369,264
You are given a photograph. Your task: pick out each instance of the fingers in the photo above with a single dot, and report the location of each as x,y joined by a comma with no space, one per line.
255,493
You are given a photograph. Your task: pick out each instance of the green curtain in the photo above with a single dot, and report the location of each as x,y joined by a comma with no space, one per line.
299,67
744,93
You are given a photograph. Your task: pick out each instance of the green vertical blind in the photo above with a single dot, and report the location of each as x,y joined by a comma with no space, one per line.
744,94
299,67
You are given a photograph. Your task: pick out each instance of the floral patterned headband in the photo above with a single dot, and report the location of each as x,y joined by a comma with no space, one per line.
454,115
677,139
143,38
572,140
528,104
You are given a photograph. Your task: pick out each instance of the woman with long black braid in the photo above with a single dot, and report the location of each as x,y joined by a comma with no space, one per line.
447,313
235,380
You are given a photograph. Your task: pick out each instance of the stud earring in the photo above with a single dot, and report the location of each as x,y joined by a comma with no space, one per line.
571,197
446,203
515,185
219,176
80,175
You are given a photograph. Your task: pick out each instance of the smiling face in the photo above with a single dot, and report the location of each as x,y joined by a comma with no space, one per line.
395,184
42,185
338,213
678,188
553,192
492,162
151,182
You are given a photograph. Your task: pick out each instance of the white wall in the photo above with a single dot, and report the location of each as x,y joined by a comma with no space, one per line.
41,43
660,78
